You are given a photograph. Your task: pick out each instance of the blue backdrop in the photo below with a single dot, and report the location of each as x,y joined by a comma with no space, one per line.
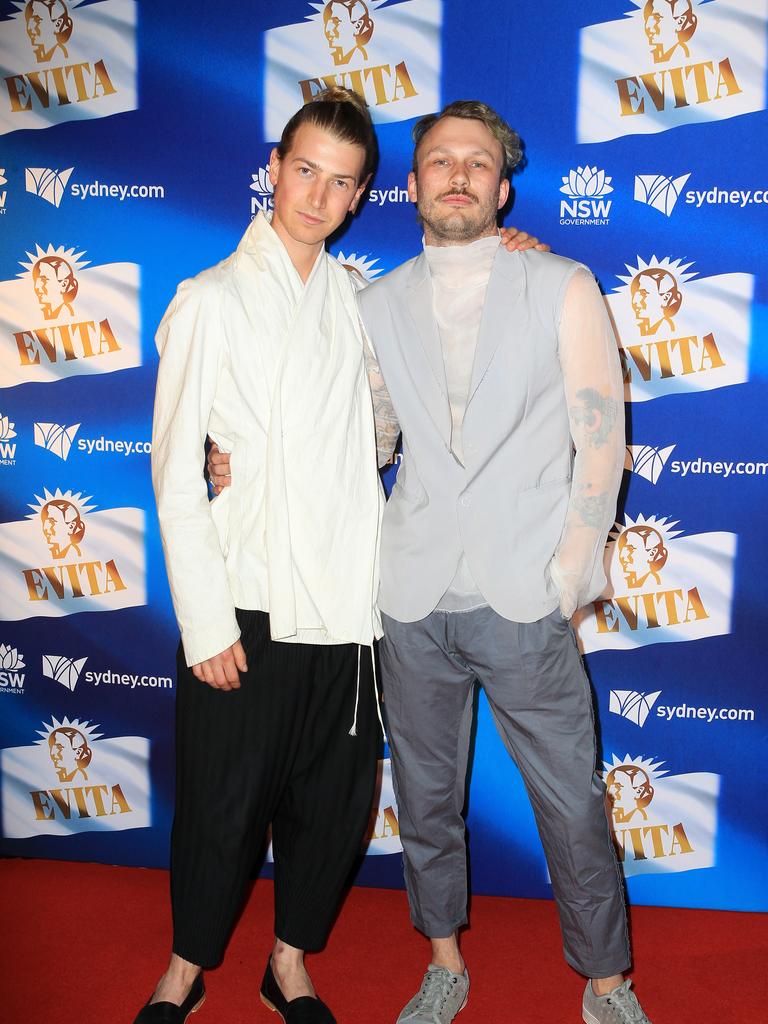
135,140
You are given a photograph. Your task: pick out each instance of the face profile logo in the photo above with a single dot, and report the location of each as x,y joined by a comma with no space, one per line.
55,285
348,28
642,554
69,752
669,27
630,792
47,183
49,28
62,521
656,299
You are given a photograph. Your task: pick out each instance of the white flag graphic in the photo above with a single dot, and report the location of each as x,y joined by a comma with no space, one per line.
661,589
98,331
625,88
107,574
112,794
706,346
392,54
40,45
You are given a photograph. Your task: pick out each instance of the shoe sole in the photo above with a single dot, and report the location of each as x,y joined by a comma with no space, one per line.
271,1006
466,1000
587,1017
196,1007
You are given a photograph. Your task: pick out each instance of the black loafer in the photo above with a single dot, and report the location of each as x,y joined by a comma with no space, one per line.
304,1010
170,1013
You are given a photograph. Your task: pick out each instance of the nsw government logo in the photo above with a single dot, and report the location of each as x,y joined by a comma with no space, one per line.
677,335
388,54
62,317
7,443
662,587
672,62
264,199
65,60
74,780
586,188
661,822
66,558
11,670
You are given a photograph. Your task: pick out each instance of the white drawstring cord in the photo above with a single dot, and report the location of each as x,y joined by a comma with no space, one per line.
353,730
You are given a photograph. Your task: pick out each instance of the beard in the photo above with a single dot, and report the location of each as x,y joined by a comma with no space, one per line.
459,225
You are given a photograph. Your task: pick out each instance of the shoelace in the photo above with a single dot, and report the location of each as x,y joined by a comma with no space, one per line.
435,991
627,1005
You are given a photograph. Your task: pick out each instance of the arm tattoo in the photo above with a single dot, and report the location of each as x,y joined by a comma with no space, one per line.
590,507
595,415
387,426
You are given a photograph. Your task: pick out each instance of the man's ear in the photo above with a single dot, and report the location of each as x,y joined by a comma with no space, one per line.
412,187
274,167
359,194
503,192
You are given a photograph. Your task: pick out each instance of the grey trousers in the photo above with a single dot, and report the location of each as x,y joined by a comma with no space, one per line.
538,692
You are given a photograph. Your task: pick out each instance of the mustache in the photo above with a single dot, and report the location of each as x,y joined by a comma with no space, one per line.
460,192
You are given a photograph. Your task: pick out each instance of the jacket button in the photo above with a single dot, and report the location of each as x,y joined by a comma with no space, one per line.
465,500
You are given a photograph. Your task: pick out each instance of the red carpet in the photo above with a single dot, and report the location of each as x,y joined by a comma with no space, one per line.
85,943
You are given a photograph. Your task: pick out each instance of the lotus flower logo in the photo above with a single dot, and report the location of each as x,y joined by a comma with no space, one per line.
10,659
6,429
587,183
3,179
261,182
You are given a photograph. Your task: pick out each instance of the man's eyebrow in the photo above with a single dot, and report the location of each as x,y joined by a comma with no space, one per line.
448,149
317,167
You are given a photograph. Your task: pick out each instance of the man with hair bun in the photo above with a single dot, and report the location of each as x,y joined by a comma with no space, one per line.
274,582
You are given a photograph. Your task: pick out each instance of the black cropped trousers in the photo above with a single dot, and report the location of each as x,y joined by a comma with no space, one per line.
277,751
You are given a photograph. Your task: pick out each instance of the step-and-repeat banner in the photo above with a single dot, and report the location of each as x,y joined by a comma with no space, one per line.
135,139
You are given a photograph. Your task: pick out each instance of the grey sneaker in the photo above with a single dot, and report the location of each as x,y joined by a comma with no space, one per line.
618,1007
441,996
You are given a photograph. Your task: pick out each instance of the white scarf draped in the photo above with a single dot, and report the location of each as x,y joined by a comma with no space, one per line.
323,496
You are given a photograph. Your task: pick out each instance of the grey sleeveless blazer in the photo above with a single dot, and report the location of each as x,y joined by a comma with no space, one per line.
505,508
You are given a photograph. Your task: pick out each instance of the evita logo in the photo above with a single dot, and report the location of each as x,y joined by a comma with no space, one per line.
73,780
672,62
661,822
11,670
67,558
62,317
62,60
389,55
662,587
586,188
679,335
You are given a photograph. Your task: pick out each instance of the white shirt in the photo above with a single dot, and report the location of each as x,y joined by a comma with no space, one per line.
273,370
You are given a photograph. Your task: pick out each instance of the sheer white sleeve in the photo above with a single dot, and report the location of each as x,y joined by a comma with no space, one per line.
595,396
